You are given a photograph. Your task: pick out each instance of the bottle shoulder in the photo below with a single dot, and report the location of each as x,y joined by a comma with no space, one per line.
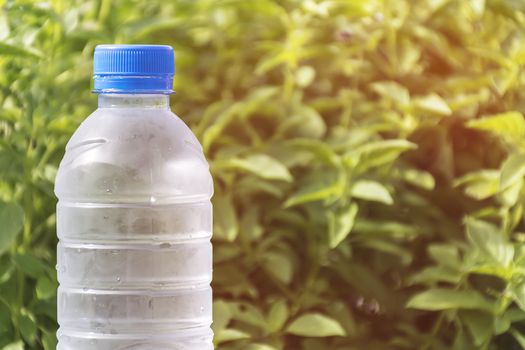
117,123
127,153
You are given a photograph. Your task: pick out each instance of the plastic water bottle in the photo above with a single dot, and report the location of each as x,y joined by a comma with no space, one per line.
134,216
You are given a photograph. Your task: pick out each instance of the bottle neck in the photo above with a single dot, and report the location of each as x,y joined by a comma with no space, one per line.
157,101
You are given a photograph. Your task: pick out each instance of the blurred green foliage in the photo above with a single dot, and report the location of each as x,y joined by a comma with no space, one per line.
369,159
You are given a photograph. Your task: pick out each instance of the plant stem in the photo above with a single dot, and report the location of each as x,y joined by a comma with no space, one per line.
435,330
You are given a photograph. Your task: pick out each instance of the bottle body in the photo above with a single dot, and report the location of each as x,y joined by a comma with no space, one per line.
134,222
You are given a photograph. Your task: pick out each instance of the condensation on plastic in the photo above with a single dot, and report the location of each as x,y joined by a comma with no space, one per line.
134,222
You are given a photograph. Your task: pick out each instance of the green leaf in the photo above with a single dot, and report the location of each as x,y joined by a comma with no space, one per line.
517,291
371,191
379,153
250,227
509,124
249,314
510,195
389,247
5,318
49,341
46,307
445,254
462,342
520,338
319,149
223,120
480,184
315,325
490,242
225,335
433,274
512,170
479,325
277,316
261,165
328,185
18,51
6,268
11,221
270,62
225,218
279,265
491,270
250,185
30,265
433,103
449,299
11,163
304,122
28,328
392,91
505,78
419,178
502,323
19,345
340,223
45,288
387,228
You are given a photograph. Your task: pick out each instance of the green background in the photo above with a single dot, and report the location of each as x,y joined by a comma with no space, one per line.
368,159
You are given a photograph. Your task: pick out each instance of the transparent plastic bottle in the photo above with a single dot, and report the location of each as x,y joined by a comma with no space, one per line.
134,216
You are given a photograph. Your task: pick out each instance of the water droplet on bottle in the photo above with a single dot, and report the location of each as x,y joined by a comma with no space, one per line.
106,217
118,279
115,252
109,191
152,199
85,289
201,309
165,245
96,325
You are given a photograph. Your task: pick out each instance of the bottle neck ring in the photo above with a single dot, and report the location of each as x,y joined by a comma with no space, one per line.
133,84
158,101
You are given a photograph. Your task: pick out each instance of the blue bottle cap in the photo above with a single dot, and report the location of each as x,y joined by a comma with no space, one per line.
133,69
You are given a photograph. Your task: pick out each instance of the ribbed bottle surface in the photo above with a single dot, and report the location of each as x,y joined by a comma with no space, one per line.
134,223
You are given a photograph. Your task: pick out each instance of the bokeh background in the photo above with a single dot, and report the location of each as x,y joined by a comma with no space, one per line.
368,159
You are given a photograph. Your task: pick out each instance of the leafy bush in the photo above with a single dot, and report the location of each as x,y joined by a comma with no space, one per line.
368,157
